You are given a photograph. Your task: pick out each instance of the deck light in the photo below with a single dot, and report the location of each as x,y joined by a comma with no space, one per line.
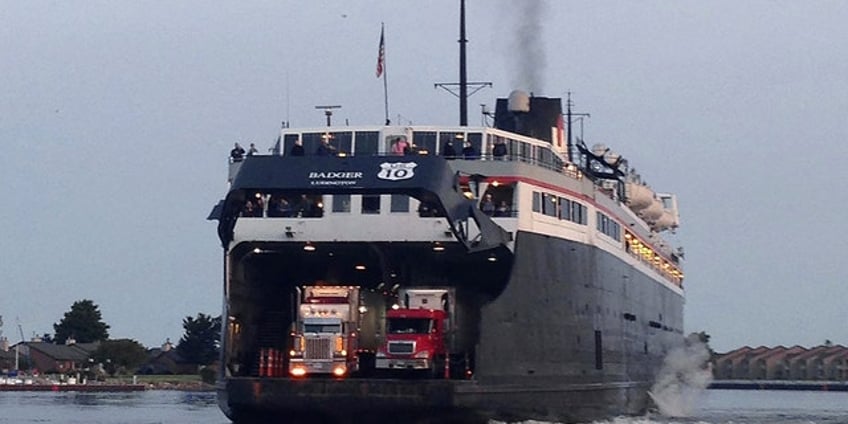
492,258
438,247
360,267
309,247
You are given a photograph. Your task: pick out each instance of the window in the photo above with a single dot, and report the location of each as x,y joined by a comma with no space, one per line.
366,143
564,209
341,203
371,204
288,142
400,203
549,206
578,213
476,140
342,142
425,140
537,201
455,138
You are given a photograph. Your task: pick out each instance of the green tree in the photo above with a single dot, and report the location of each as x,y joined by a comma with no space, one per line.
83,323
199,345
121,356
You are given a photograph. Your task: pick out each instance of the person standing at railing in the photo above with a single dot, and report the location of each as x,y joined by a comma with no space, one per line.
499,150
488,205
237,154
449,151
468,151
502,209
297,149
400,146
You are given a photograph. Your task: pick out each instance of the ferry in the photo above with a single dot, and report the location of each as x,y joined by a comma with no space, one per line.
566,295
445,274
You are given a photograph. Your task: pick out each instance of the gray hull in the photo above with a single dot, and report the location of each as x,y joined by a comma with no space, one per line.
576,334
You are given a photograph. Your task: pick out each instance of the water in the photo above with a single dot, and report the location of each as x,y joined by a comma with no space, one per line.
173,407
148,407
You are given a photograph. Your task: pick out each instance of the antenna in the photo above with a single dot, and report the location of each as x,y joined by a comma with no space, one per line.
569,114
328,111
463,84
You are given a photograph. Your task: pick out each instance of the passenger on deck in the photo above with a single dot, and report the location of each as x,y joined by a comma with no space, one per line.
252,150
237,154
400,146
499,150
297,149
280,208
488,205
325,149
502,209
251,210
468,151
448,150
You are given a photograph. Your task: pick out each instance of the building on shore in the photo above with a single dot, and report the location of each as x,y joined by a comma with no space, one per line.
824,363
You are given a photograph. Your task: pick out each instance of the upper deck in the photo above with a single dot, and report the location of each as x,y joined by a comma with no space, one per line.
521,183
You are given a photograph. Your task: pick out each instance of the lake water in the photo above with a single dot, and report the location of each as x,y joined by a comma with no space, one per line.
173,407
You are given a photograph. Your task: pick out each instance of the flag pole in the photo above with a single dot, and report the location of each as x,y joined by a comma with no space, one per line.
381,69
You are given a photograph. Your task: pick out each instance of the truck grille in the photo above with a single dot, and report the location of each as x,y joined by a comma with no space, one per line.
318,349
402,348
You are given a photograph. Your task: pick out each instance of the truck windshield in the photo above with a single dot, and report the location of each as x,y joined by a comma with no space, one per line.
322,328
409,325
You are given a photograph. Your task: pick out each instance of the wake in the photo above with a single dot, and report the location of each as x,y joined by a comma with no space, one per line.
684,376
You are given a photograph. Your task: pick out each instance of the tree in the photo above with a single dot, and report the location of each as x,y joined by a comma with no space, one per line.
199,345
83,323
120,355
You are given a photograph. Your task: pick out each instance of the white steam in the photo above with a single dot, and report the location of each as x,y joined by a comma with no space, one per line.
684,376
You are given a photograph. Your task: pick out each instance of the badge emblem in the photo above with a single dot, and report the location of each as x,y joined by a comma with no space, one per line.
396,171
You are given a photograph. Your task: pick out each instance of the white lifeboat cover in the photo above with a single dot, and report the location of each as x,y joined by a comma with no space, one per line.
653,212
638,196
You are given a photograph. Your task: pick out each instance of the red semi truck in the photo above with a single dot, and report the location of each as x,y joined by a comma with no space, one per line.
418,334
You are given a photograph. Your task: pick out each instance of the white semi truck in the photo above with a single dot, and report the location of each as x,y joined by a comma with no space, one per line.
324,339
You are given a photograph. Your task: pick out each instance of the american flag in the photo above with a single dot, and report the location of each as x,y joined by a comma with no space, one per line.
381,54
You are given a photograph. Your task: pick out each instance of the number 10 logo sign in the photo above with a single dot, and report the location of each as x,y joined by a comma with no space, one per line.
396,171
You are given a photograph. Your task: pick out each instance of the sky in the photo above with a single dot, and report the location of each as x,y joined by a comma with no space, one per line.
116,119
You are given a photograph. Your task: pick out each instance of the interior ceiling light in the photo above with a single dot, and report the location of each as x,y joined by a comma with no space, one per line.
360,267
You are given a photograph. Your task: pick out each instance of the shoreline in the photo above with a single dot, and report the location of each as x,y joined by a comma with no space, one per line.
807,385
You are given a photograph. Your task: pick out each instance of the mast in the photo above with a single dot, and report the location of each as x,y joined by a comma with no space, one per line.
463,79
569,145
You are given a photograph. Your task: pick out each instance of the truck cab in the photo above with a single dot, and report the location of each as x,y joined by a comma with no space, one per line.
324,335
417,334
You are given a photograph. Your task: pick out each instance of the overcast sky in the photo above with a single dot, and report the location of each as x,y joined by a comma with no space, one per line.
116,119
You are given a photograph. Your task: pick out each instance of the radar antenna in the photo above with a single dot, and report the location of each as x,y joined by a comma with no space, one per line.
328,111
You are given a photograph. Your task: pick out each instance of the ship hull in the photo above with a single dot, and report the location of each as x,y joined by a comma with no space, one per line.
576,334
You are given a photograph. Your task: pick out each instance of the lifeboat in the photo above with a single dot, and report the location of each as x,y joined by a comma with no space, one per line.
665,221
653,212
638,196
